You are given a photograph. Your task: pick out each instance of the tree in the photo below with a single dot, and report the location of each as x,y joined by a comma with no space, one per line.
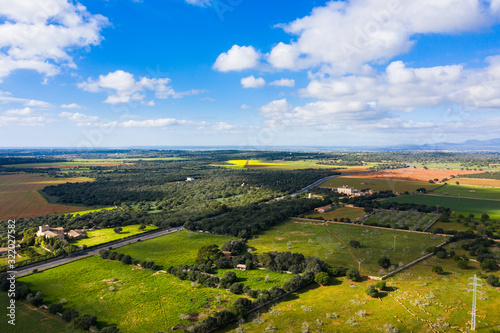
118,230
84,322
462,264
227,279
127,260
380,285
384,262
353,274
110,329
437,269
489,264
55,308
236,288
355,244
70,314
241,306
208,253
371,291
321,278
142,227
493,281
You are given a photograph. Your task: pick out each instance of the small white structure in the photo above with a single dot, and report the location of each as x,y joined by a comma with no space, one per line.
45,230
347,190
189,179
241,267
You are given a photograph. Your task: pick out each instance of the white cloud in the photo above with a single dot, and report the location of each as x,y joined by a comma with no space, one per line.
342,37
277,109
21,112
39,35
71,106
223,126
78,117
200,3
23,121
283,83
162,122
244,107
122,87
237,58
5,97
252,82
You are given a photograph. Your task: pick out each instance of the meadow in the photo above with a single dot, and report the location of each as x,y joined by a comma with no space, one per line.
173,249
29,319
377,184
331,244
434,303
468,205
477,182
463,191
82,212
134,299
100,236
256,278
337,213
20,196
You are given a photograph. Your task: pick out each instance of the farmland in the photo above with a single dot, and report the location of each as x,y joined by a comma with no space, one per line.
476,192
411,219
329,243
478,182
100,236
19,196
338,213
289,165
82,212
477,206
417,174
438,303
134,299
377,184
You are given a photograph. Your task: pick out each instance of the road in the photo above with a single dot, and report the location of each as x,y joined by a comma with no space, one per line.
94,251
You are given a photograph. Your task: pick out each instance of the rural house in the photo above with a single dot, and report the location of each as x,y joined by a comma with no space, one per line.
47,231
323,209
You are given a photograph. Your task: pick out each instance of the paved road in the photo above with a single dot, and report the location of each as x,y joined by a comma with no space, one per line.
94,251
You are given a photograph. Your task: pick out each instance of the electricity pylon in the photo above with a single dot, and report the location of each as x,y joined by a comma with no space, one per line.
474,285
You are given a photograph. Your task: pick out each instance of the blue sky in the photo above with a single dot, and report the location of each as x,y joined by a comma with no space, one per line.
250,73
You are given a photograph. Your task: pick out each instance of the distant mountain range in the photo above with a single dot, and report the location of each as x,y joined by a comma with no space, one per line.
492,145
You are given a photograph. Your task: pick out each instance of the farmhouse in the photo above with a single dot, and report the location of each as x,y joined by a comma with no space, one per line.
46,231
347,190
190,179
241,267
77,234
323,209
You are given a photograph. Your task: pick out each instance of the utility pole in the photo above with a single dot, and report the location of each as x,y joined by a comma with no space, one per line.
359,265
474,285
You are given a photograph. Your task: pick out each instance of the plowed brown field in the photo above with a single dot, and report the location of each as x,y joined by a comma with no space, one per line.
416,174
19,196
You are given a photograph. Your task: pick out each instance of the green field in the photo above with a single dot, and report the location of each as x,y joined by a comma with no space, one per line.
337,213
29,319
447,311
477,192
411,219
134,299
256,278
174,249
287,165
82,212
100,236
477,206
322,242
377,184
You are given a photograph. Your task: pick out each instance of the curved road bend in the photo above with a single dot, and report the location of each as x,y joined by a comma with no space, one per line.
94,251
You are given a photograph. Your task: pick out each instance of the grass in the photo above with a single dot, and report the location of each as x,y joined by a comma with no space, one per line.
82,212
256,278
476,206
20,196
412,219
100,236
463,191
337,213
289,165
329,243
135,300
377,184
29,319
173,249
448,311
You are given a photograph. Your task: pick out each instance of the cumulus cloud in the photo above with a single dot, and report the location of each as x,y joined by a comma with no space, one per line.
71,106
122,87
21,112
343,36
244,107
161,122
252,82
284,83
38,35
237,58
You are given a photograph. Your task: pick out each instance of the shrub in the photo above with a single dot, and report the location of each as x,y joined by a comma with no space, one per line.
241,306
371,291
384,262
84,322
493,281
353,274
355,244
462,264
236,288
437,269
70,314
380,285
321,278
127,260
55,308
110,329
488,264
